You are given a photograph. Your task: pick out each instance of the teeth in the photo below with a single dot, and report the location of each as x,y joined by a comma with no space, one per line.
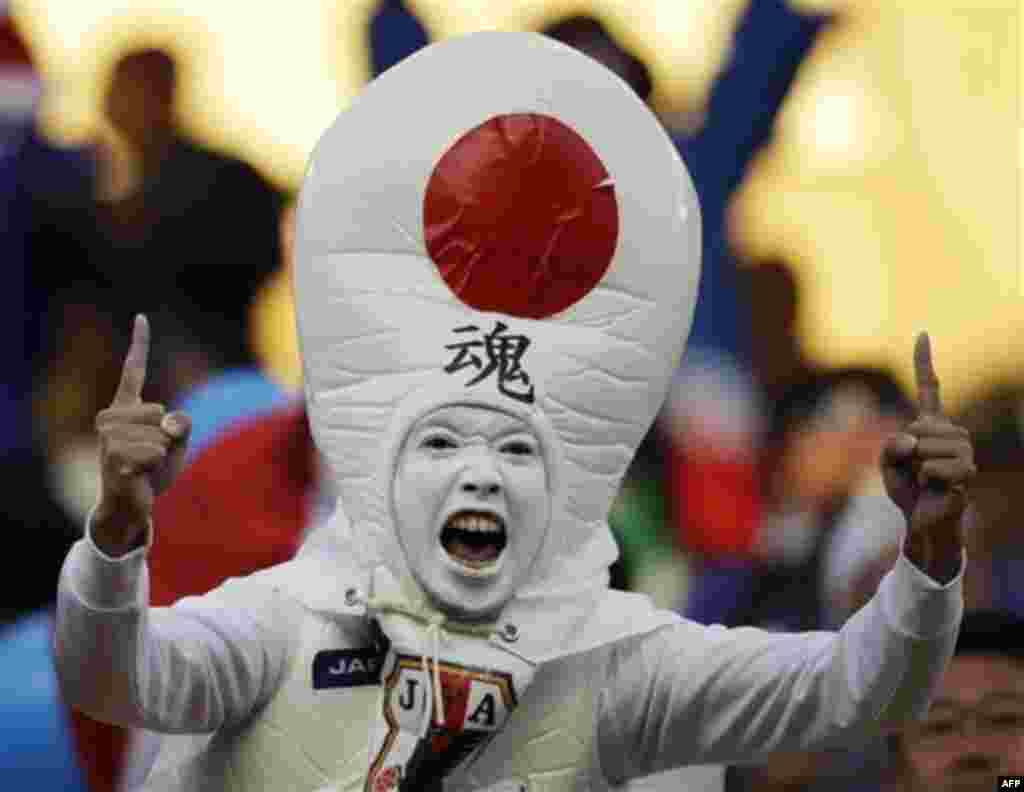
476,523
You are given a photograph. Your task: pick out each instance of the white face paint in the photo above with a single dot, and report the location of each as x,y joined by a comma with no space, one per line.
472,507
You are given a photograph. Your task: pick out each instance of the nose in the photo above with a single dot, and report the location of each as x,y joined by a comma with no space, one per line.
489,488
481,479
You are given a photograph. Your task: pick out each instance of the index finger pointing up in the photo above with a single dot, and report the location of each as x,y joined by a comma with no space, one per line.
133,374
924,373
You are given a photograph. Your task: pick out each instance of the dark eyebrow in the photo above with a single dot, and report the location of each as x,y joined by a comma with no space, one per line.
1004,695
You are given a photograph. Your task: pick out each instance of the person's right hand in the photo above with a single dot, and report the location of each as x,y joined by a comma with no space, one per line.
141,452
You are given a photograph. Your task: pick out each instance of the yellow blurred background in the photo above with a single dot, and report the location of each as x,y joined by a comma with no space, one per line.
892,184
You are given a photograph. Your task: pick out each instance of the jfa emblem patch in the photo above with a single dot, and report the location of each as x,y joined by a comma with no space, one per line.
477,702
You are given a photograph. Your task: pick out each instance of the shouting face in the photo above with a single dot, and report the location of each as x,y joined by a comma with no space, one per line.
472,505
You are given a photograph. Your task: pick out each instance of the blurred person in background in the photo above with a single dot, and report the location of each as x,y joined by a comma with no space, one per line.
209,219
768,459
717,415
769,292
822,476
36,178
826,518
171,225
731,425
588,35
713,419
36,744
66,396
190,232
974,731
995,419
825,511
736,349
164,223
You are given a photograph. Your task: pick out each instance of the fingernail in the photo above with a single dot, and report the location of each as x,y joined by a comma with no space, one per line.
172,425
907,443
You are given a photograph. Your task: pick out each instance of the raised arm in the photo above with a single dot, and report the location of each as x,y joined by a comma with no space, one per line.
692,694
190,668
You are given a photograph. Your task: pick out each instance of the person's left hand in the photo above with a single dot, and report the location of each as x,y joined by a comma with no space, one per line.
926,469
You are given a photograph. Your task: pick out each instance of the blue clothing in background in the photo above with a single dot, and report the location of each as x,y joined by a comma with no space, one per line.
770,43
37,752
395,34
1008,593
34,176
226,402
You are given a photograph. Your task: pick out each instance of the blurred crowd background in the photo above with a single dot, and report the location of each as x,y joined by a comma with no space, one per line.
858,165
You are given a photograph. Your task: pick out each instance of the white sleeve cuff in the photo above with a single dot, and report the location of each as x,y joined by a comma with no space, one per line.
919,606
103,582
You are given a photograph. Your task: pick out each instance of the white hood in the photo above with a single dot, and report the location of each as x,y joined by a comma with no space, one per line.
379,324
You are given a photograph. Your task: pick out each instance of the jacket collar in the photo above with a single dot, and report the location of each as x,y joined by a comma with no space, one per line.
535,629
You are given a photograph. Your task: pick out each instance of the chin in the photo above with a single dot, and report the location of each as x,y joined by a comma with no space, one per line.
459,601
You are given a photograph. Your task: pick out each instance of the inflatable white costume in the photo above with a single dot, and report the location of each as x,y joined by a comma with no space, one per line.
497,263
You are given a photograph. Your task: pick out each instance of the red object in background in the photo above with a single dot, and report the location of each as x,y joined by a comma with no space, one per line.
520,216
242,505
713,418
715,499
101,751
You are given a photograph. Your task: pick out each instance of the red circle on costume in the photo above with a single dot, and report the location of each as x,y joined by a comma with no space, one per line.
520,216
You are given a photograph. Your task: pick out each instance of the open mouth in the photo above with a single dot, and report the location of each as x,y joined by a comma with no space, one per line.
474,539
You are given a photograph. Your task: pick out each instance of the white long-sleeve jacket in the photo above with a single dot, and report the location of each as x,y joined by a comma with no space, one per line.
579,688
240,666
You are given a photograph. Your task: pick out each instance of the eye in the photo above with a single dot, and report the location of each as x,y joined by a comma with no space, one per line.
1006,720
938,727
438,442
518,448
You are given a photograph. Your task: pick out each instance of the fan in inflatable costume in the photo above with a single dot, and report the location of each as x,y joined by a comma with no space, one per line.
532,254
496,264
